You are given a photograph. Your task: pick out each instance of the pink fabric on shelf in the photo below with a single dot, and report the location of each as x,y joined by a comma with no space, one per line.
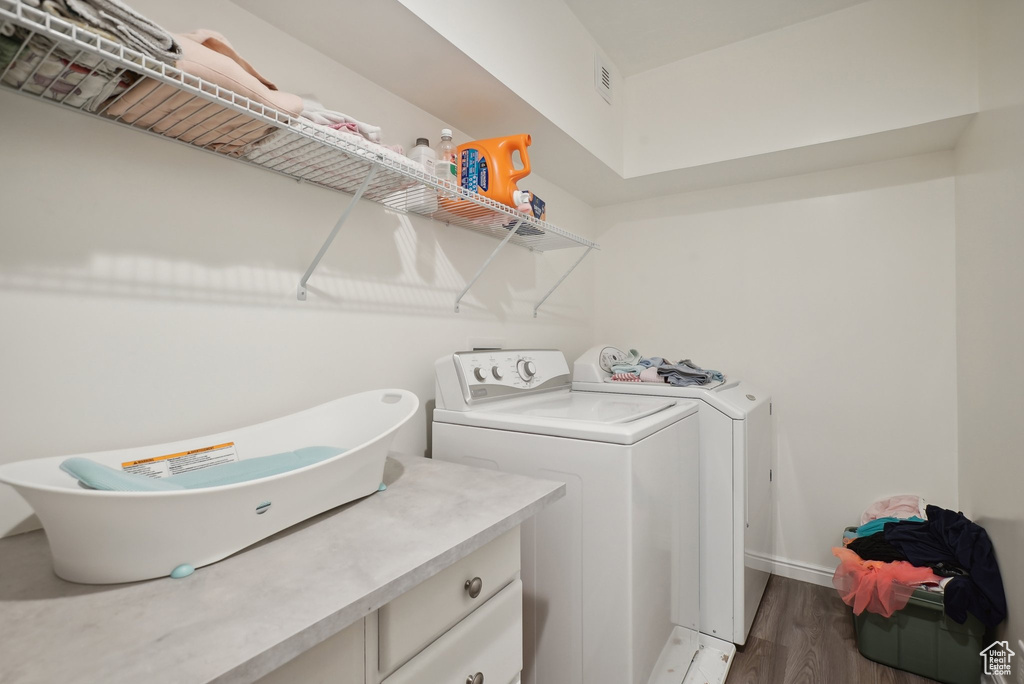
875,586
901,506
625,377
176,113
348,126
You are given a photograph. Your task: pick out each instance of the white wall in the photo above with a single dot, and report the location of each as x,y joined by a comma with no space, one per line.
147,291
990,318
873,67
540,51
835,293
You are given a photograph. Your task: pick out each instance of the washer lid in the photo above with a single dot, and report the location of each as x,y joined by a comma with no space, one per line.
610,418
587,407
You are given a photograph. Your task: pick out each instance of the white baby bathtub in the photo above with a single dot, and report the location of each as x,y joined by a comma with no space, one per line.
103,537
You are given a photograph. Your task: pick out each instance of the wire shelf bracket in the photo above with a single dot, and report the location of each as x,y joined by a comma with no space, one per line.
217,121
483,267
559,282
334,233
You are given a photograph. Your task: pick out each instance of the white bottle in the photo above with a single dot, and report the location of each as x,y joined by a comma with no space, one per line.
423,154
422,199
447,157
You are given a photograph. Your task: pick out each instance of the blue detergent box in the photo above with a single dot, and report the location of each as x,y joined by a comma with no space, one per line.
539,207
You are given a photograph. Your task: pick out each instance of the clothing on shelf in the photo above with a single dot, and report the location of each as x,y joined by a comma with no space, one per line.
949,537
875,547
77,79
875,586
8,47
118,21
175,113
319,114
902,506
286,148
350,127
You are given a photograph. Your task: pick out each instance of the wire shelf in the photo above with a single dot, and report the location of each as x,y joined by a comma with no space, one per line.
64,64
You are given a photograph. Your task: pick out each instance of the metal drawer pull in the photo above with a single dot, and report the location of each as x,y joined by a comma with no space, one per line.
473,588
478,678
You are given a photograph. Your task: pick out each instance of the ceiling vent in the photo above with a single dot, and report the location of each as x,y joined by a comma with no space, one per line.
602,79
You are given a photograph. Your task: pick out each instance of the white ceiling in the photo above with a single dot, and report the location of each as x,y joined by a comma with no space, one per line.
645,34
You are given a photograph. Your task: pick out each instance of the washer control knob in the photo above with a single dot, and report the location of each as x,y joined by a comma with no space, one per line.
527,369
479,374
496,372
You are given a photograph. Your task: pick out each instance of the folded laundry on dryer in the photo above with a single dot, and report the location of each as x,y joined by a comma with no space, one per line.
625,377
656,369
686,373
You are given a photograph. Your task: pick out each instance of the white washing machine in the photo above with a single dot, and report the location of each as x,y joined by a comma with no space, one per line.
610,571
736,500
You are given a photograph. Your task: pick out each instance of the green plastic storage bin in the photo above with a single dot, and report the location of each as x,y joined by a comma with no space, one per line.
922,639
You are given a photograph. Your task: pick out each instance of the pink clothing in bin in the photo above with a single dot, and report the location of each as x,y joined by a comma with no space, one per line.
902,506
875,586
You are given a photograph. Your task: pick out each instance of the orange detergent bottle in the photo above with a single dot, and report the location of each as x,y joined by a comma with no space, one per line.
485,166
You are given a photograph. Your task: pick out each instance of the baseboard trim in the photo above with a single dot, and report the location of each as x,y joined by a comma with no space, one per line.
798,570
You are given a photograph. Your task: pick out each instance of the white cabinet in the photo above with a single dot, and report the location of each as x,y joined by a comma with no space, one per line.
412,621
486,647
464,621
337,660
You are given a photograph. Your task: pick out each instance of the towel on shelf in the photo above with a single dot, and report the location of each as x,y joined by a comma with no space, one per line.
318,114
179,114
9,46
352,127
53,71
130,28
318,163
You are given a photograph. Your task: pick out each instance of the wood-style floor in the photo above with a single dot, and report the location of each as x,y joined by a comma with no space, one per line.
803,634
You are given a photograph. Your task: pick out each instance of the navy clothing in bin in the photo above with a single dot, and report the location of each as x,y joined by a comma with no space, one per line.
948,537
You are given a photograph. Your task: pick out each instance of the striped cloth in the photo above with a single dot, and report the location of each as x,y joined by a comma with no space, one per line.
625,377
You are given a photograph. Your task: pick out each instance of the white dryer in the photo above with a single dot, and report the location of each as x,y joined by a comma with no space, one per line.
610,570
736,500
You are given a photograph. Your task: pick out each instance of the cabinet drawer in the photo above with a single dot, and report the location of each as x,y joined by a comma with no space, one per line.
408,624
490,641
337,660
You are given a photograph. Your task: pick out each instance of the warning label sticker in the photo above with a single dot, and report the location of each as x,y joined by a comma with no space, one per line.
183,462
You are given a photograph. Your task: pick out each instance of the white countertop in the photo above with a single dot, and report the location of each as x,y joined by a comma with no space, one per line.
238,619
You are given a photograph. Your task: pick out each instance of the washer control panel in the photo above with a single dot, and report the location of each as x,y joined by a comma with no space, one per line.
509,372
